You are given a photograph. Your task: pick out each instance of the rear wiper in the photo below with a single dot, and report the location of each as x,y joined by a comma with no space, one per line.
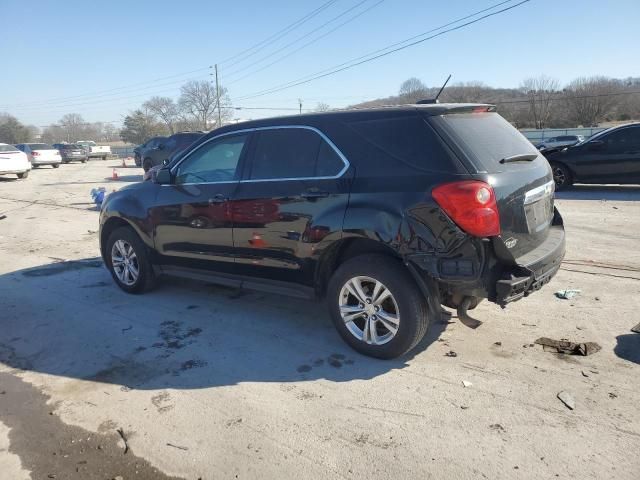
521,157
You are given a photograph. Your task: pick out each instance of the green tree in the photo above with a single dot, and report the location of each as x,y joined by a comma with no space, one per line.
12,131
139,126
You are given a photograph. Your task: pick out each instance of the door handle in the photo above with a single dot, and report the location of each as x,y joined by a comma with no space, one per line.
218,199
314,193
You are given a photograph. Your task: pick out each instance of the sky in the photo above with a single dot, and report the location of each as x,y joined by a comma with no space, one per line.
68,56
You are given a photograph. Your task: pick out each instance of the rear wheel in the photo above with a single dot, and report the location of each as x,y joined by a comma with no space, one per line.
127,260
561,176
56,165
83,161
23,174
147,164
377,307
104,157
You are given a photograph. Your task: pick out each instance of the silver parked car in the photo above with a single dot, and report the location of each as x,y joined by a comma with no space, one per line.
561,141
41,154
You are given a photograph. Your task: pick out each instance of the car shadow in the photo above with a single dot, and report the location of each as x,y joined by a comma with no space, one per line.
621,193
68,319
628,347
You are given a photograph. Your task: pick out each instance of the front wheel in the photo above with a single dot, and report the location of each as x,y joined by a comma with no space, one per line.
377,307
147,164
104,157
127,260
23,174
561,176
56,165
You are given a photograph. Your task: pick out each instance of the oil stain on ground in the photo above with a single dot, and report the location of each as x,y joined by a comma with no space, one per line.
50,448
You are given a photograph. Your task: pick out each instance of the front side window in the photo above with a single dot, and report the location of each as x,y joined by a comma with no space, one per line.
216,161
285,153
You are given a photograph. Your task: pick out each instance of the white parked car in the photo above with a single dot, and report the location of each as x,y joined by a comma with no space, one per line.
41,154
94,150
13,161
561,141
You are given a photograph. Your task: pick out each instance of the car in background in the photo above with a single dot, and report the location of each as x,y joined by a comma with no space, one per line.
385,213
561,141
139,151
94,150
166,148
610,156
71,152
40,154
13,161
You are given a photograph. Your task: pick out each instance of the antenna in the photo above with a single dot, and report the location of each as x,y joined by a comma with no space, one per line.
444,85
435,99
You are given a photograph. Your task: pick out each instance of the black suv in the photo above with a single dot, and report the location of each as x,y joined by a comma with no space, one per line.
164,148
139,151
386,213
610,156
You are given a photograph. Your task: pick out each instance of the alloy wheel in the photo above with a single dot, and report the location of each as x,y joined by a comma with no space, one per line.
369,310
125,262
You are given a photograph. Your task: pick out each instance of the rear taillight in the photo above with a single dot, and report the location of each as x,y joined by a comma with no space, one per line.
35,154
471,205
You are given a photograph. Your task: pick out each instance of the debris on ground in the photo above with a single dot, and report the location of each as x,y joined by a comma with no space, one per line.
570,348
636,329
466,383
612,395
176,446
2,217
567,399
451,353
497,344
567,294
98,194
497,427
124,439
584,374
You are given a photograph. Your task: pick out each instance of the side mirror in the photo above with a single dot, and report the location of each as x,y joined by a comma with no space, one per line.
163,177
596,145
165,162
160,147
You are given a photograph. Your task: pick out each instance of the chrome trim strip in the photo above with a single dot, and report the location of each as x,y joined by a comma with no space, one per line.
274,127
537,193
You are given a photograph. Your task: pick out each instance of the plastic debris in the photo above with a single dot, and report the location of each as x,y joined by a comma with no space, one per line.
466,383
636,329
570,348
451,353
567,294
567,399
98,194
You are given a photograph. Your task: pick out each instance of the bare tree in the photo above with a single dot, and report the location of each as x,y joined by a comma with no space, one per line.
73,127
413,89
540,92
589,100
468,92
198,99
322,107
166,110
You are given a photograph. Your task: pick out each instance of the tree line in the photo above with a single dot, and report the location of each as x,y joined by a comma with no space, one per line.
539,102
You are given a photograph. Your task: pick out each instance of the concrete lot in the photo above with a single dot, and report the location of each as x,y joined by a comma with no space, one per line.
206,382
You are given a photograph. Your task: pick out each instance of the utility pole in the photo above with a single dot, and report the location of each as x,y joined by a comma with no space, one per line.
218,97
300,104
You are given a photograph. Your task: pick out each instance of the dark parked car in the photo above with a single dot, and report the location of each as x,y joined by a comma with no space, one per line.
139,151
386,213
167,147
610,156
71,152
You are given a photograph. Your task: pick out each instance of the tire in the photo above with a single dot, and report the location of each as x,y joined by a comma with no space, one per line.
104,157
23,174
406,298
146,279
65,161
561,176
83,161
56,165
147,164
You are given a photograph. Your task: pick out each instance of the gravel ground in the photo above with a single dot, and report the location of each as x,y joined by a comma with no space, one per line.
207,382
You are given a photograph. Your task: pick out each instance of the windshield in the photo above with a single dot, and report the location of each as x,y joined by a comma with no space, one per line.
40,146
8,148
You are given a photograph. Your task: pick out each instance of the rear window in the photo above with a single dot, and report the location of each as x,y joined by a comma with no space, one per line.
69,147
408,139
8,148
486,137
40,146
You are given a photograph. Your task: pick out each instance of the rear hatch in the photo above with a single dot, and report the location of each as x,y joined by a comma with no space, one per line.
495,152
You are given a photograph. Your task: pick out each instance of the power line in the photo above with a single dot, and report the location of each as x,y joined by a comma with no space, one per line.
276,36
308,34
350,64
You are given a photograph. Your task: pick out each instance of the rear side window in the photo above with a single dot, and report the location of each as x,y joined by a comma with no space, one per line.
407,139
292,153
486,137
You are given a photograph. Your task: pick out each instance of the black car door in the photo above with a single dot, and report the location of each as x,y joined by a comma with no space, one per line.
609,158
290,203
191,216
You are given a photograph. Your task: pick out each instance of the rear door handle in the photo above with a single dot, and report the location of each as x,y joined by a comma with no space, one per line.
218,199
314,193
